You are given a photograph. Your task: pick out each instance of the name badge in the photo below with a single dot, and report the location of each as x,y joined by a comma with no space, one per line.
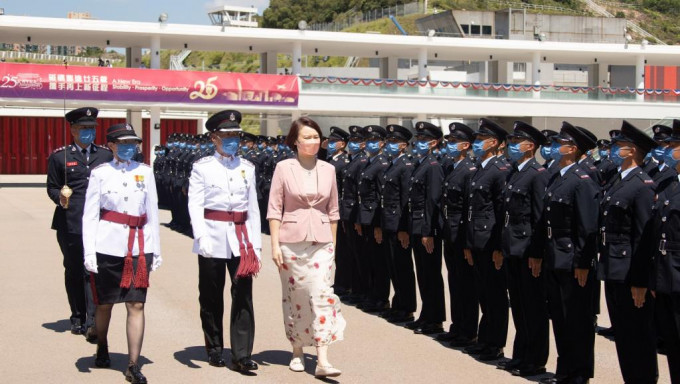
71,163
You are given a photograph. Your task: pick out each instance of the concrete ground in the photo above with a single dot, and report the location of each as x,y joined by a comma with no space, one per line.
39,348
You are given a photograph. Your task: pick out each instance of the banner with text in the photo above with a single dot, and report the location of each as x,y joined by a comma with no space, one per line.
34,81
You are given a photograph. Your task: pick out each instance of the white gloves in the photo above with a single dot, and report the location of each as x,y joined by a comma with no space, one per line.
205,247
91,263
157,261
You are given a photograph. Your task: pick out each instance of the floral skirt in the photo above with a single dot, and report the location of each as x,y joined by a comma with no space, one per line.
311,311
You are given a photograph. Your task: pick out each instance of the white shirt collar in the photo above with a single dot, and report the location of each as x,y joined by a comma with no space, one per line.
88,149
524,164
627,171
485,162
565,169
662,166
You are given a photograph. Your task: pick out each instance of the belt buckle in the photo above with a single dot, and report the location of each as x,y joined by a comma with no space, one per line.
549,232
446,210
662,246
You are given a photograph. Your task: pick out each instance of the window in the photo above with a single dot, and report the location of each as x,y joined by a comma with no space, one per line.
474,29
466,28
486,30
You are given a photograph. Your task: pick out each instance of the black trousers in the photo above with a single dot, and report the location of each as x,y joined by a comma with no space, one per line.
493,300
263,204
400,264
462,292
211,279
356,248
667,309
635,335
571,311
343,262
376,255
76,278
430,281
529,313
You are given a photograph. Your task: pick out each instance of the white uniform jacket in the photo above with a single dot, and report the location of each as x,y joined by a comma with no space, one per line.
223,184
125,187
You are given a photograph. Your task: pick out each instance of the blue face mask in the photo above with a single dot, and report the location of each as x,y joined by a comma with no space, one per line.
443,151
452,149
244,148
604,153
260,146
422,147
658,153
373,147
230,145
353,147
546,152
269,149
514,152
125,152
555,151
86,136
211,146
668,158
392,149
648,156
332,147
615,157
182,145
204,146
478,148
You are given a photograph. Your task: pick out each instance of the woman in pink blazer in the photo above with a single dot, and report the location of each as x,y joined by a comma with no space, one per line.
303,215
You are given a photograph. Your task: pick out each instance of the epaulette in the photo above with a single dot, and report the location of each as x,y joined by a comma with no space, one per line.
100,165
434,162
473,168
247,162
540,169
203,159
103,147
59,149
644,177
500,165
384,163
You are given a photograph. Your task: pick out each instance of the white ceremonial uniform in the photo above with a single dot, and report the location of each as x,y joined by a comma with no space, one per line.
124,187
223,184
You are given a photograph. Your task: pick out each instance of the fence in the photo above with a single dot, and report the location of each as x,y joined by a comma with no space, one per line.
376,14
10,55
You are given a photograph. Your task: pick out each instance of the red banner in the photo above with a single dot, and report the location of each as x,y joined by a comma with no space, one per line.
32,81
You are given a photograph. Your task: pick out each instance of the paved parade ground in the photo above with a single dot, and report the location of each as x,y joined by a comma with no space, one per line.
39,348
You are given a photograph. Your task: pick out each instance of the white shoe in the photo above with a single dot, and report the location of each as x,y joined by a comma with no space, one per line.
326,371
297,364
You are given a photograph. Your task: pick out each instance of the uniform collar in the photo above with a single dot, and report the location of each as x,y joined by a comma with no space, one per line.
89,148
524,164
564,170
225,159
486,162
120,164
627,171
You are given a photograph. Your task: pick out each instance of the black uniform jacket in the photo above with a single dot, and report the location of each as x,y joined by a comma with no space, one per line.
523,196
425,196
395,189
350,179
664,242
454,199
73,163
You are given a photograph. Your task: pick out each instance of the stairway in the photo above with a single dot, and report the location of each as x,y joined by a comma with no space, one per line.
600,10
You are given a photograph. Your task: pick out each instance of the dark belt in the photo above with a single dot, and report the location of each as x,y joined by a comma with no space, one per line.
136,224
558,232
665,245
249,265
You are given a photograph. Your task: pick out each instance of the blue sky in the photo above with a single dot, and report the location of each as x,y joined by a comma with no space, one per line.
180,12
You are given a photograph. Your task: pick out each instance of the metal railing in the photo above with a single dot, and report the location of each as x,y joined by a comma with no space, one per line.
376,14
538,7
14,55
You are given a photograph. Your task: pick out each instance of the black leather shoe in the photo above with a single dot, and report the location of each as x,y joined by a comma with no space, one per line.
401,317
91,335
134,375
429,329
387,313
528,370
448,336
490,353
215,359
509,365
579,380
555,380
77,327
413,324
372,307
102,360
243,365
606,332
474,349
462,342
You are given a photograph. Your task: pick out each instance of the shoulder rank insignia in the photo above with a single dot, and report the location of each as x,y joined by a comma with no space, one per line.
585,177
649,181
71,163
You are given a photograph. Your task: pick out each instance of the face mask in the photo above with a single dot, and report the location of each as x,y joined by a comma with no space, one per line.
230,145
332,147
373,147
478,148
269,149
182,145
353,147
514,151
244,148
211,146
204,146
648,156
615,156
422,147
444,151
555,151
86,136
452,149
260,146
658,153
308,147
545,152
392,149
668,158
125,152
604,153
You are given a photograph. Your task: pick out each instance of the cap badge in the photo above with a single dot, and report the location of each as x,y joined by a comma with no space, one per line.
88,113
516,125
232,117
128,127
421,126
391,129
370,129
657,130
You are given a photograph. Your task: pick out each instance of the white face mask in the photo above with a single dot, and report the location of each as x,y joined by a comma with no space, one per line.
308,147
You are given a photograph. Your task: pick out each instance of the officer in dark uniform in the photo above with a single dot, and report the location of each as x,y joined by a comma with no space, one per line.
664,247
663,175
605,166
545,149
587,162
626,209
344,263
249,150
462,290
395,183
483,248
424,222
70,166
569,226
349,211
521,241
265,173
369,197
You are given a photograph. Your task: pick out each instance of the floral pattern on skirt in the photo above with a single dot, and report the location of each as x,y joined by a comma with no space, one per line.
311,310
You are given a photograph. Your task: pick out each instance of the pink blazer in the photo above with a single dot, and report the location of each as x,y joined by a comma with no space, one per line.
288,204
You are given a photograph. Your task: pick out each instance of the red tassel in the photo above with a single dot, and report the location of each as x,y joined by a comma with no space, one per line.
93,287
126,280
249,265
142,276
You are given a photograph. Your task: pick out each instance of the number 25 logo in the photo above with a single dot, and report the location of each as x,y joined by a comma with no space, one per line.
205,90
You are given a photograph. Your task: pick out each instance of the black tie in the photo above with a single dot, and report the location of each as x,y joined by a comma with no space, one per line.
85,154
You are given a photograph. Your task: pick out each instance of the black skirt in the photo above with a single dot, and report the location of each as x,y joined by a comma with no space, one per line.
107,280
